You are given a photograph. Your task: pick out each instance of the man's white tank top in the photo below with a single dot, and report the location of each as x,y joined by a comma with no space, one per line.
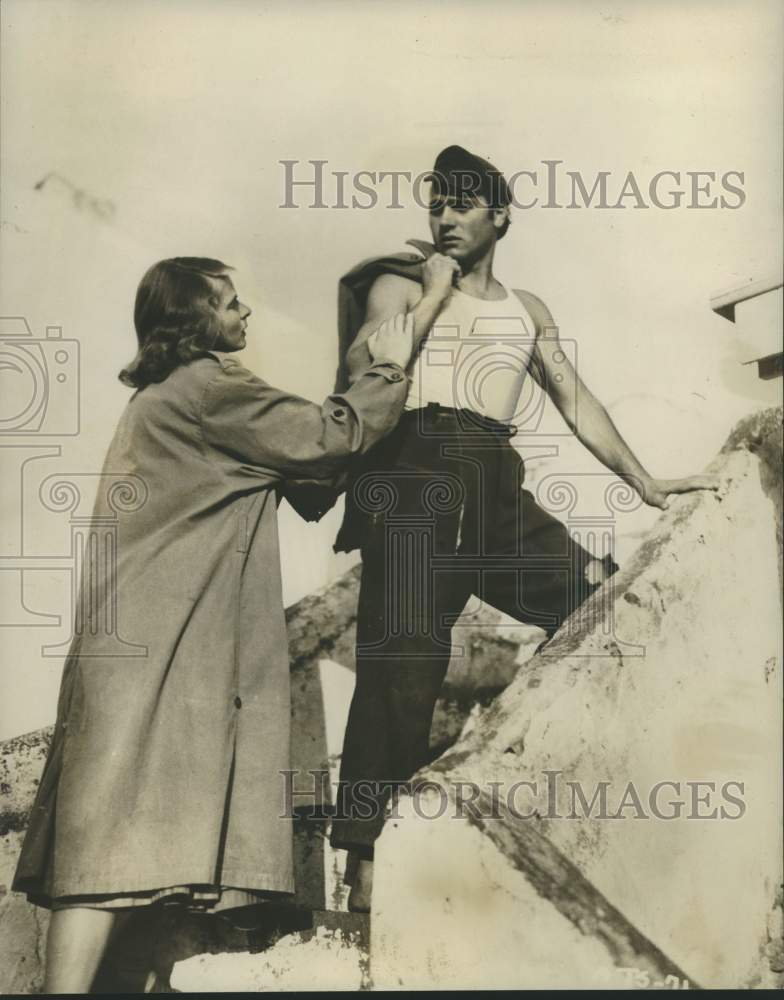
475,357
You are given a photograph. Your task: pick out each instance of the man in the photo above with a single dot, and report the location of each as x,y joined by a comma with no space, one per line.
439,512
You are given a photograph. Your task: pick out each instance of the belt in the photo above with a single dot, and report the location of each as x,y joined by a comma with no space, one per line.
467,420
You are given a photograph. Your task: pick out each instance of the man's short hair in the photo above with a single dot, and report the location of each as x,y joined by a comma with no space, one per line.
457,173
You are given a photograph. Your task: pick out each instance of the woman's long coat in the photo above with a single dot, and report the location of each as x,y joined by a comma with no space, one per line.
165,767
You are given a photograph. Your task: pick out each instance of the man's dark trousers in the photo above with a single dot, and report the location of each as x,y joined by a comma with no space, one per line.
444,517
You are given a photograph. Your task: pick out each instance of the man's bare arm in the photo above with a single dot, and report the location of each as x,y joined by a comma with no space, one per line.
592,425
391,294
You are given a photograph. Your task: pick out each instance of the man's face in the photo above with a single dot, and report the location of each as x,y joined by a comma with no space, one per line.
465,227
231,316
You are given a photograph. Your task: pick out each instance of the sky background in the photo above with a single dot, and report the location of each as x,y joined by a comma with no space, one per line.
178,114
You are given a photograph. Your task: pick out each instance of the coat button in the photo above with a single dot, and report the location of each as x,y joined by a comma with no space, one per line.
238,702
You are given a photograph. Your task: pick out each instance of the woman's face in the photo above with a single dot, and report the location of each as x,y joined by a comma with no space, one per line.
231,316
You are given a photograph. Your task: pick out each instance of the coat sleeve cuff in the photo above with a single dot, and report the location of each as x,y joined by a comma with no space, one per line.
390,371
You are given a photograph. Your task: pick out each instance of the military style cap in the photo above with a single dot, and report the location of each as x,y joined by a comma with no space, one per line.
458,173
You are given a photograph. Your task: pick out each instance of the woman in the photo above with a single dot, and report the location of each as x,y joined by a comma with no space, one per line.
163,780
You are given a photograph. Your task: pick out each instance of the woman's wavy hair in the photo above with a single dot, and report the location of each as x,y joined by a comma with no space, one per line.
173,319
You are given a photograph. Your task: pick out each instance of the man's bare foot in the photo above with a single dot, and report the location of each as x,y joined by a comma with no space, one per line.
362,889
